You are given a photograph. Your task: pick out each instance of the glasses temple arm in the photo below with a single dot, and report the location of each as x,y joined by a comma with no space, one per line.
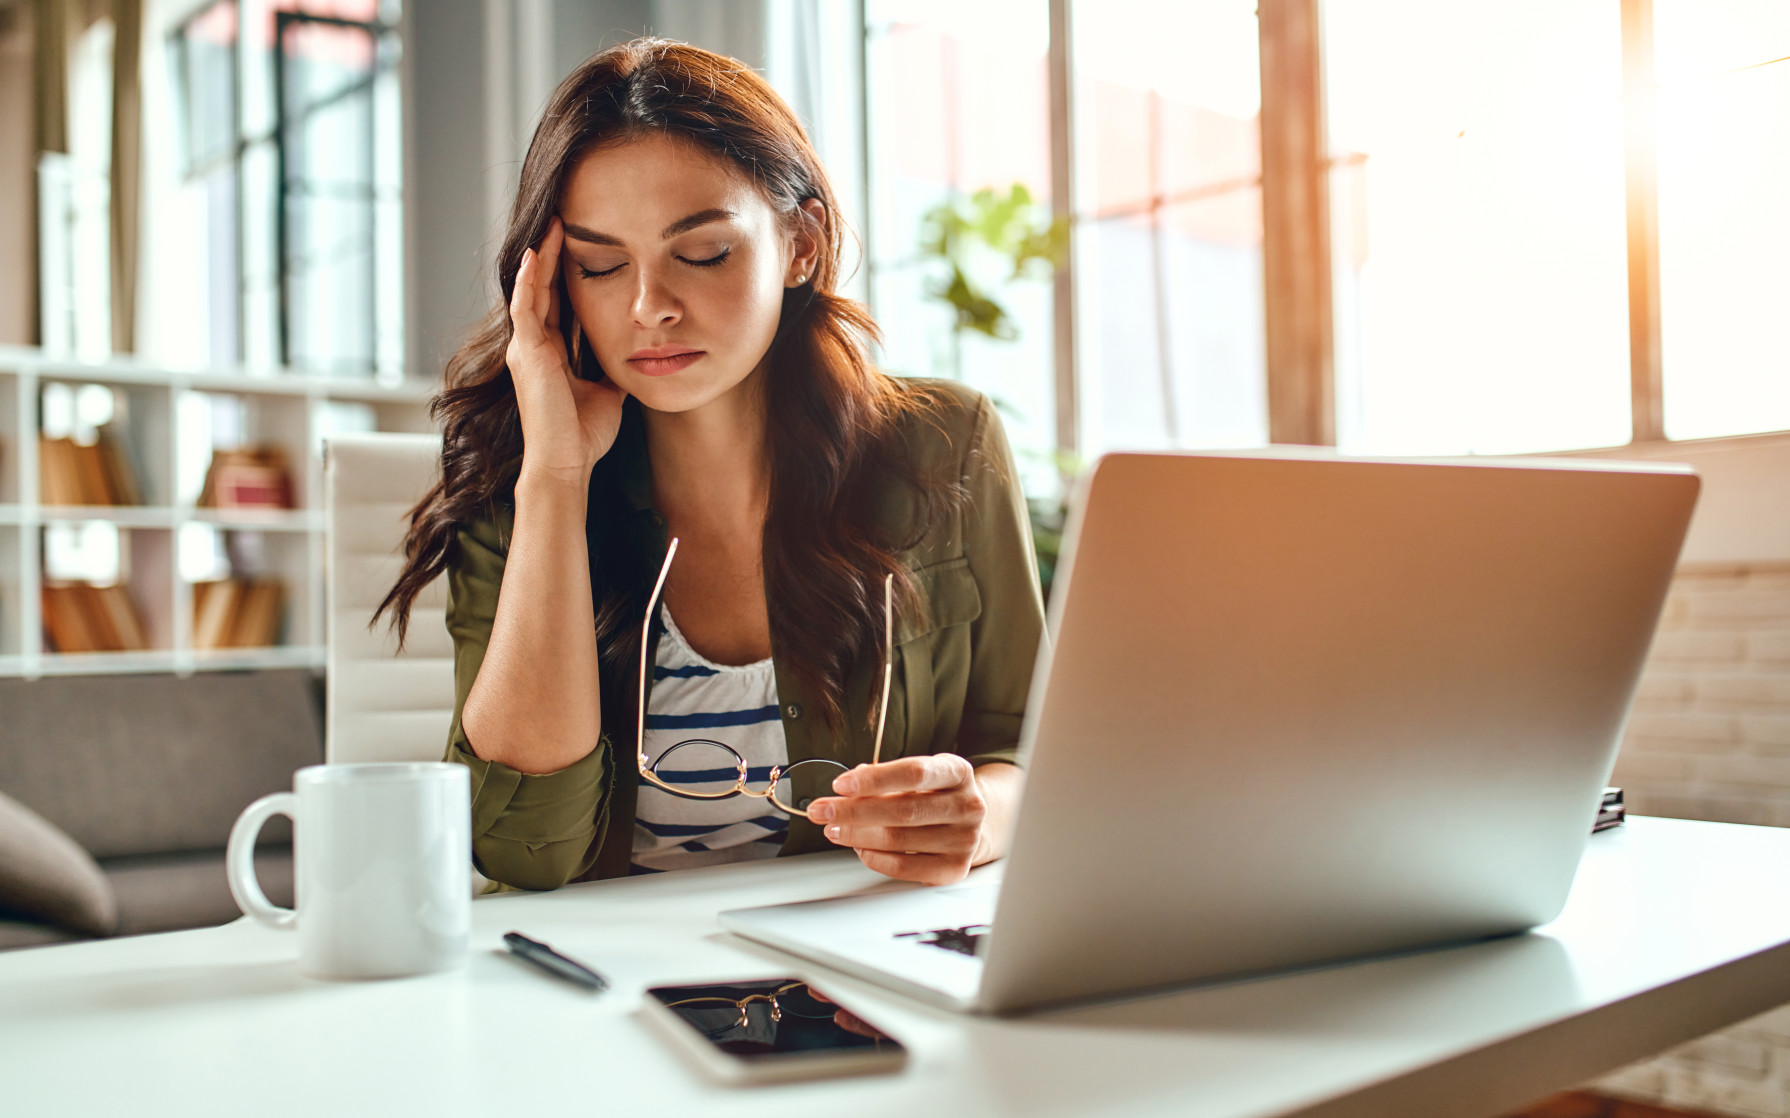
882,715
646,628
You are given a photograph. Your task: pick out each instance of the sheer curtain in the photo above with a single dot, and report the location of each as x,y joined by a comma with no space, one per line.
126,170
58,26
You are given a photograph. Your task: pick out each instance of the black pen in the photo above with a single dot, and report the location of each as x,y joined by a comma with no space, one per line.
553,962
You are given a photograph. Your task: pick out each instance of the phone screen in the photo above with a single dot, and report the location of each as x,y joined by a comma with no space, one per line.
770,1018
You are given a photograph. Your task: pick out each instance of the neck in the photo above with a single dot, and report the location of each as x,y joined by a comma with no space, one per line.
711,469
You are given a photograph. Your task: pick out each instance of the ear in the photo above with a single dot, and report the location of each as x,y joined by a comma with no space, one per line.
808,240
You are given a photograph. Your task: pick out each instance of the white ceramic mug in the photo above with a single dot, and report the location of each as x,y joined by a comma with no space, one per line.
382,854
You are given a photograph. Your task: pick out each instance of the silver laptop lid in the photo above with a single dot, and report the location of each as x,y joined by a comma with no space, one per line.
1302,707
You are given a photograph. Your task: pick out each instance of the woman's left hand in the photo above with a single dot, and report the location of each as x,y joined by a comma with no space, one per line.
917,818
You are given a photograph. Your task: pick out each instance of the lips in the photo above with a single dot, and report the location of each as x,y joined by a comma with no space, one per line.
660,361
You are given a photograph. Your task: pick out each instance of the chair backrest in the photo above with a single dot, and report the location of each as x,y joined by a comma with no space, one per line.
382,705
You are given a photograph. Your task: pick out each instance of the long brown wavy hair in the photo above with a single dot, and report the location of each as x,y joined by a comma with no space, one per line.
833,422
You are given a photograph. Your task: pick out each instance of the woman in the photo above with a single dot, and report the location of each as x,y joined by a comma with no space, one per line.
671,364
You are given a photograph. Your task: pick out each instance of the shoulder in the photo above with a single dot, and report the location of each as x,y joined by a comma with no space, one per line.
958,472
943,423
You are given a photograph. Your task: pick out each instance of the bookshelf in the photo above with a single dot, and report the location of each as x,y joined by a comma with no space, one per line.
165,424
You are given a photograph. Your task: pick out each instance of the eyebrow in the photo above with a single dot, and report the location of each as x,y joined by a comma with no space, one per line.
681,225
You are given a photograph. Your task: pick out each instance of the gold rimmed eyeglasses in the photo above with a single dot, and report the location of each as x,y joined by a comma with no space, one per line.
717,1016
714,766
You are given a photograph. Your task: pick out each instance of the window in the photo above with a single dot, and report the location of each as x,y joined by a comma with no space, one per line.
1477,225
302,166
1532,247
958,102
1169,225
1723,68
74,200
339,218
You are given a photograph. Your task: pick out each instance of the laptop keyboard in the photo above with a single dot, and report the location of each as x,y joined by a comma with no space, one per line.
962,940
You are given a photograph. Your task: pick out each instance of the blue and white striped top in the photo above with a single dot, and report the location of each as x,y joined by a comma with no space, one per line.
697,698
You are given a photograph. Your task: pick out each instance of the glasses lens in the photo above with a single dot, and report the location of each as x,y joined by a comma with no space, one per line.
803,781
715,1017
799,1002
700,768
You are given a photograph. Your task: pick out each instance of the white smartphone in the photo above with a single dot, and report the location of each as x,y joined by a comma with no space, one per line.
770,1030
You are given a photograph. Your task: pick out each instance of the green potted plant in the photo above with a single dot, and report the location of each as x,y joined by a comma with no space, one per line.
981,242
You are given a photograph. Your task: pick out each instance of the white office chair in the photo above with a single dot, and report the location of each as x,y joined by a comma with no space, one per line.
382,705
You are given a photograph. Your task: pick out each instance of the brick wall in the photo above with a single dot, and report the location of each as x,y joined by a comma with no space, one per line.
1742,1071
1710,739
1710,734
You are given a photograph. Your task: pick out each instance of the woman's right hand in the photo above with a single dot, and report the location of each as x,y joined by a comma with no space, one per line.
568,423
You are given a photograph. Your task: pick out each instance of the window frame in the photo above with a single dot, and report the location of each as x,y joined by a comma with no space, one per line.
273,139
1296,165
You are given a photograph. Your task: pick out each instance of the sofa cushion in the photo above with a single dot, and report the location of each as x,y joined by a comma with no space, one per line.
45,875
147,764
167,892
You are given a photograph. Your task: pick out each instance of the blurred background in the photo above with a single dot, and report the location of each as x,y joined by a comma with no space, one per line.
1534,227
232,228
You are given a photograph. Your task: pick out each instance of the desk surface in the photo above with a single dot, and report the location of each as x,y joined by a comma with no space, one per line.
1674,929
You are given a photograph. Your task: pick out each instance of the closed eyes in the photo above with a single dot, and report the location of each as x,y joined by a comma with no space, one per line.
709,262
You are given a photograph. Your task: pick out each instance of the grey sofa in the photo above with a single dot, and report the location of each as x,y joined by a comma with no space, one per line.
148,772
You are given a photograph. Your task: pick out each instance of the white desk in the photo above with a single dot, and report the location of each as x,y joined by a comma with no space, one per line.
1674,929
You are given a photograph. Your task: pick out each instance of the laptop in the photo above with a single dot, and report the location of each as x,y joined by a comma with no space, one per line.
1294,709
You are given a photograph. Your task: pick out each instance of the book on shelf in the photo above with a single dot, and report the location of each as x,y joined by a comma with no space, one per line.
72,473
79,617
213,605
259,608
121,477
58,472
253,478
237,613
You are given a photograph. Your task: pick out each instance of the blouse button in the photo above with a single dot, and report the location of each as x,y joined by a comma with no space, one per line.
804,803
793,711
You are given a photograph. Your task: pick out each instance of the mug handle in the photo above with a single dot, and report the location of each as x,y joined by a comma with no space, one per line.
239,859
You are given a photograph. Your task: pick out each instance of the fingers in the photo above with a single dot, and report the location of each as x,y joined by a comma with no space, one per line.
927,869
551,241
914,818
549,272
945,838
909,809
534,303
932,773
852,1023
524,320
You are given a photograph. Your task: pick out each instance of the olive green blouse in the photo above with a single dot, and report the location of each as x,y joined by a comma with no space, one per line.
963,662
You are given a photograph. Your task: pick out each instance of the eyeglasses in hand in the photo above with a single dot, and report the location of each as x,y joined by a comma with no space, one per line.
779,776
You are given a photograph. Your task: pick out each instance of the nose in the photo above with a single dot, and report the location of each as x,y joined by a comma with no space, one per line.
655,304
